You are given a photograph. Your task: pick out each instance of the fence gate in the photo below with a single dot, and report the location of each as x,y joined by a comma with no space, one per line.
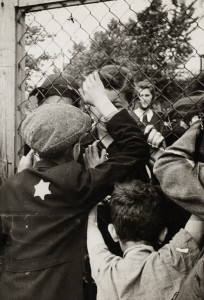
161,41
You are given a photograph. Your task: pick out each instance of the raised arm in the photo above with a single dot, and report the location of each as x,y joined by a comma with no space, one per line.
195,226
94,236
88,187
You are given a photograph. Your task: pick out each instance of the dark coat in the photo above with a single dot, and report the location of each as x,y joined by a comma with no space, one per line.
44,212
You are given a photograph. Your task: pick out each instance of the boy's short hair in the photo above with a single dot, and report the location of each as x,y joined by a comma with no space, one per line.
117,77
138,211
52,128
145,84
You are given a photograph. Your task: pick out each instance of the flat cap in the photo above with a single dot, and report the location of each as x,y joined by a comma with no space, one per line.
52,128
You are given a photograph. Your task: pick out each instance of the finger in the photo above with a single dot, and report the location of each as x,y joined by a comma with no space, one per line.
95,150
151,135
87,151
83,89
90,150
104,156
81,92
90,79
148,128
95,147
95,143
87,82
96,76
157,139
85,160
30,155
164,144
31,152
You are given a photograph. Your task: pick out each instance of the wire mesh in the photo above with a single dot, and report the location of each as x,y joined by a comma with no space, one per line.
157,42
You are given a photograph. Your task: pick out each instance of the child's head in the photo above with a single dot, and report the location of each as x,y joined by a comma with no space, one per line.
146,93
54,128
58,88
120,80
138,212
119,87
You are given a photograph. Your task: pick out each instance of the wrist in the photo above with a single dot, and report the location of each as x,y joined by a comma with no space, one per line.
106,108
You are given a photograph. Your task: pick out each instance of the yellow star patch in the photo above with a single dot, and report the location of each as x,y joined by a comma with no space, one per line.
42,189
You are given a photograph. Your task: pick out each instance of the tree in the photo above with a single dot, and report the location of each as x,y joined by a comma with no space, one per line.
35,36
153,45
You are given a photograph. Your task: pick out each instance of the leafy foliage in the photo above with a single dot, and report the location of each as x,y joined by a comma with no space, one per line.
153,45
35,35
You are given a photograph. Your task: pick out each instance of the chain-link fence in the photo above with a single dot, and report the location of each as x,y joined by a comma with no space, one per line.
157,42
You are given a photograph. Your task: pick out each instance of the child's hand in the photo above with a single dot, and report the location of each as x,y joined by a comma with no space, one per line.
26,161
93,89
155,138
92,157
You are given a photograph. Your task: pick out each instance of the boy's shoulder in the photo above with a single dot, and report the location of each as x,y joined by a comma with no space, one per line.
181,252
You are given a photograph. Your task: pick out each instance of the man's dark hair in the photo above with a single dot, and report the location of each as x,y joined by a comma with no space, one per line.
138,211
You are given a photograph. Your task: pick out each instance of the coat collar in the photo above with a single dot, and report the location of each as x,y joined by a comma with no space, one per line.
45,164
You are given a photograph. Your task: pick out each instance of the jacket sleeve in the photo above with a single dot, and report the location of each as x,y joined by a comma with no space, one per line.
180,253
180,175
94,184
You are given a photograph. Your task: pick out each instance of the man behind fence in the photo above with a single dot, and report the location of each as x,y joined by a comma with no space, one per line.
44,209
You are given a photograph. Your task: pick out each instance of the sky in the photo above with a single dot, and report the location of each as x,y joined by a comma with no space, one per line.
93,17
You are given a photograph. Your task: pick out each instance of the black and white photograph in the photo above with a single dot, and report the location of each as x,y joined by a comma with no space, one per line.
101,149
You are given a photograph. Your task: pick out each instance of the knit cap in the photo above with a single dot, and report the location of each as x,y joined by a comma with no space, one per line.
52,128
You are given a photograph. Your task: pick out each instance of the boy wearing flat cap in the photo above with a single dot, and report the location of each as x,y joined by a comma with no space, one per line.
56,88
44,209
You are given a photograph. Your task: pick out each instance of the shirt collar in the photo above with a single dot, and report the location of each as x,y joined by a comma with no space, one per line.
143,248
140,113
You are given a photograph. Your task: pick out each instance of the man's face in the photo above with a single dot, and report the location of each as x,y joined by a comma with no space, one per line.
145,98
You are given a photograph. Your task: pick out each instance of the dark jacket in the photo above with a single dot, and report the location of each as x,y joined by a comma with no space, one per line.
135,173
44,212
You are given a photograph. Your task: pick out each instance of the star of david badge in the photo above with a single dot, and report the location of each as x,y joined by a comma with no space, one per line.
42,189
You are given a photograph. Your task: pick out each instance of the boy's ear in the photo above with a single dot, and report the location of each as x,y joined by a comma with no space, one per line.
162,235
76,151
113,233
